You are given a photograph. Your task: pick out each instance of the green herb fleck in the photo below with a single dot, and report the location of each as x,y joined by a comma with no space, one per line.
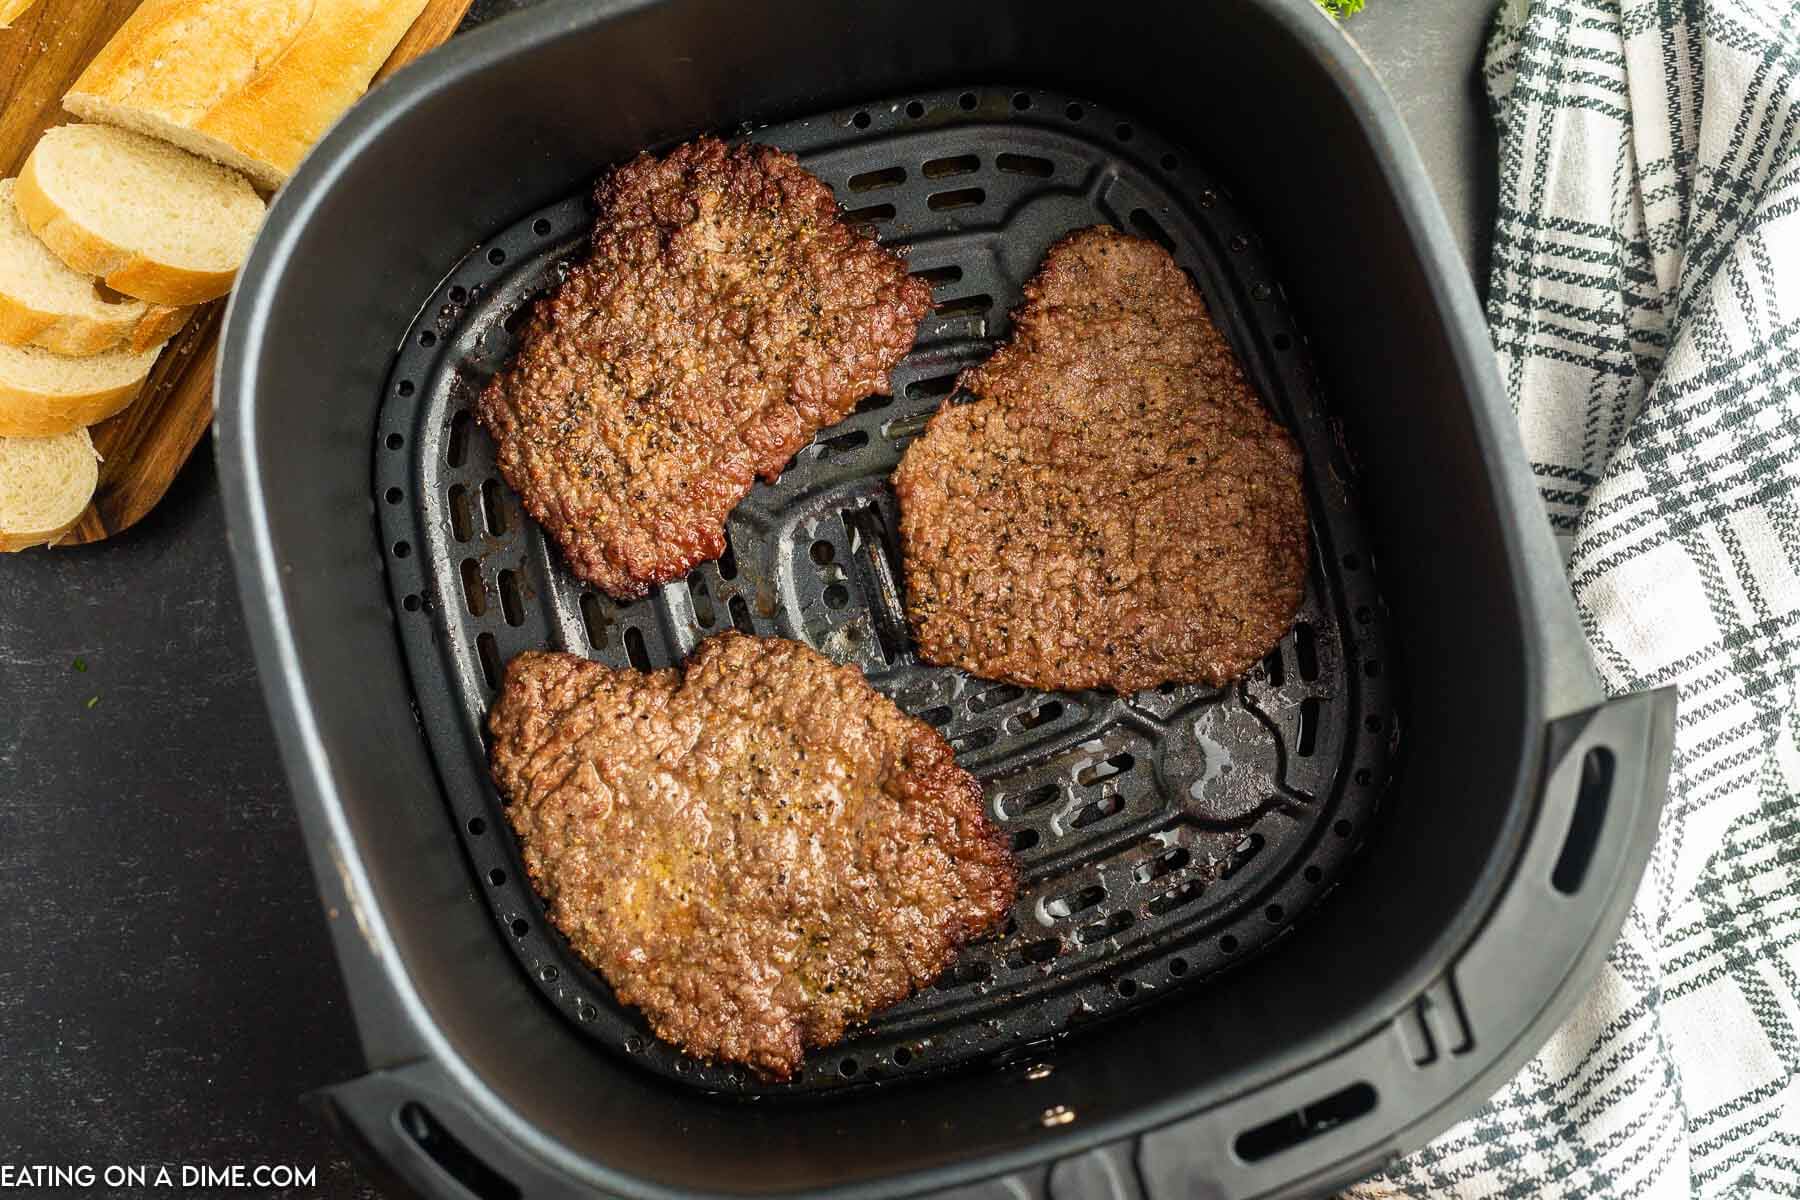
93,700
81,664
1341,8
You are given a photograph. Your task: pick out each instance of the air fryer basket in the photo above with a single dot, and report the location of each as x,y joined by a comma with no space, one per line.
1512,830
1164,835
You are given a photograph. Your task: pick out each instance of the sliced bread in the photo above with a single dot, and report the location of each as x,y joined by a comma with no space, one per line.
43,303
248,83
150,220
43,393
45,486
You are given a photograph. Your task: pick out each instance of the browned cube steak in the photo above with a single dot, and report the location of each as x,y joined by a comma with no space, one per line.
1117,509
725,315
758,850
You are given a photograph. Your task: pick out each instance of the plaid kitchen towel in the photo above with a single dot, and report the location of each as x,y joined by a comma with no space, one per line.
1645,304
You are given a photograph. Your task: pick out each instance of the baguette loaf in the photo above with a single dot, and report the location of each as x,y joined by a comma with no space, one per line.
251,84
43,393
44,303
45,485
150,220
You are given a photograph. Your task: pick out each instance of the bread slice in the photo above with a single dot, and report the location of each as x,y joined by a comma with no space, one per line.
45,486
150,220
43,303
43,393
12,10
248,83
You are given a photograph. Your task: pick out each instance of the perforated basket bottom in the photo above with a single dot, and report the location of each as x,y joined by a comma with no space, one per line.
1163,835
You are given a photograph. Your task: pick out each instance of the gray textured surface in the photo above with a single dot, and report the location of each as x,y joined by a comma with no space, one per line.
168,989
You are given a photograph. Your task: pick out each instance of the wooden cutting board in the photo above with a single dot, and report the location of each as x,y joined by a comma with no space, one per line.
143,447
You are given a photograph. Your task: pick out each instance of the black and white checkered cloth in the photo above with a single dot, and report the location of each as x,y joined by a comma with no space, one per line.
1645,304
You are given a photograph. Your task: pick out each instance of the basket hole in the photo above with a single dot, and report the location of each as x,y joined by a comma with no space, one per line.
860,120
837,596
957,164
635,652
497,256
1228,944
1021,101
728,560
497,877
1127,988
1241,854
1070,903
843,443
474,588
974,739
994,697
405,387
1585,822
428,339
462,520
412,604
548,973
517,319
938,717
875,403
402,549
477,826
394,495
847,1068
541,227
1034,953
1364,777
1306,651
1170,860
1178,967
902,1056
596,618
869,181
967,101
1025,164
493,509
395,441
1283,342
701,599
634,1044
1304,1124
1342,829
870,214
915,109
1313,874
1307,737
1024,839
488,651
1169,162
1099,772
1036,798
960,198
1238,243
1150,227
1106,806
964,306
1273,668
739,609
1123,131
1074,112
823,553
921,389
459,294
1275,914
939,276
587,1012
1372,724
1041,715
512,600
1183,893
456,446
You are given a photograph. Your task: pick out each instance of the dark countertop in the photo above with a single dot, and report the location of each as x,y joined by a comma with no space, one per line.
169,990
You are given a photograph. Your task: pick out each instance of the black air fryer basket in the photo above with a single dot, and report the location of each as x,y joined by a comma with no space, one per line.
1269,935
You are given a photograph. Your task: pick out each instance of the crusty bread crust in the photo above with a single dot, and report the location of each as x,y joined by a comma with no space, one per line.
251,84
79,336
122,269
